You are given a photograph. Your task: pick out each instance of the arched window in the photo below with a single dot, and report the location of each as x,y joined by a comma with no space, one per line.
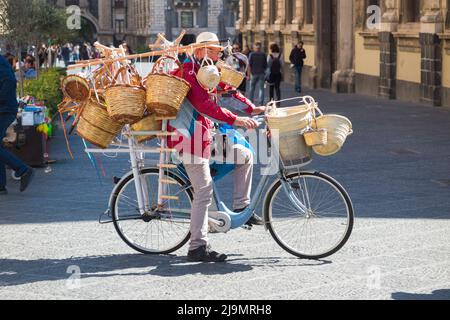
290,11
411,11
308,8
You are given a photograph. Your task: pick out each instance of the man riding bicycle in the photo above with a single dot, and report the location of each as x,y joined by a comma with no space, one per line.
195,127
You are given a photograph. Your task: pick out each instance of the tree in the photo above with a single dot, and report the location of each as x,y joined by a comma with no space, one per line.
31,22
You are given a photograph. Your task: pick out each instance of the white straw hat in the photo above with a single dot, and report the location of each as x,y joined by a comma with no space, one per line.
205,37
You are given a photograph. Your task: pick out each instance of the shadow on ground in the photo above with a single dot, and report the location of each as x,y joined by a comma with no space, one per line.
17,272
443,294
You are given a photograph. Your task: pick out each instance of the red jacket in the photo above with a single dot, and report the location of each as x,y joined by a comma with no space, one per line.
195,120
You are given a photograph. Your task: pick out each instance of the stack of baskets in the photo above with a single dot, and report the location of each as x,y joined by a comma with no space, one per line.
108,100
337,129
301,131
96,126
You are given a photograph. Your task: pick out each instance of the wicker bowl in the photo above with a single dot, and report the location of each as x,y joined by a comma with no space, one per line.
76,88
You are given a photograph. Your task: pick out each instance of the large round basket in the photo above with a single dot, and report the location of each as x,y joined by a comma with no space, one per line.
338,129
125,103
165,93
76,88
148,123
96,126
230,76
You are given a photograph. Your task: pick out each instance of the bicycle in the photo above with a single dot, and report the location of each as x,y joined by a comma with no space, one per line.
308,213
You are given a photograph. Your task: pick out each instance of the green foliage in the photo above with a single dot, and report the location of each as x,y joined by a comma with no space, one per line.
46,88
28,22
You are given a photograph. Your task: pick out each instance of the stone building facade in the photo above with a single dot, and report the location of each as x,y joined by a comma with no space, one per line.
399,49
139,21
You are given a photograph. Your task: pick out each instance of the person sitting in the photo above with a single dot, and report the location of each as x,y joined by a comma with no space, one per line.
194,127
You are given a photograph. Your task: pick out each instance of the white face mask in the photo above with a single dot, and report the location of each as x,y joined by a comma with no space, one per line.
208,76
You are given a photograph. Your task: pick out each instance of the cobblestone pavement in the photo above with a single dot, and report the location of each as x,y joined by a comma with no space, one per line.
396,167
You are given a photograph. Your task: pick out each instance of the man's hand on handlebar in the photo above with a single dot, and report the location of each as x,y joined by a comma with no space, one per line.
245,122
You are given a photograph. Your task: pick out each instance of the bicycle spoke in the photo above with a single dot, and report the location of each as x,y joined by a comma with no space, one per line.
319,230
155,232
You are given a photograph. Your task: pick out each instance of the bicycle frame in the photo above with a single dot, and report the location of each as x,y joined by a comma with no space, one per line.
236,219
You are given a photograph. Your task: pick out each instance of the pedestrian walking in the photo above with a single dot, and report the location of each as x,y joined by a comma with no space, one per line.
65,53
297,57
274,71
257,66
8,113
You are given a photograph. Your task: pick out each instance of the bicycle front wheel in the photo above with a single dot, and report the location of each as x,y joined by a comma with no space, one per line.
158,231
310,216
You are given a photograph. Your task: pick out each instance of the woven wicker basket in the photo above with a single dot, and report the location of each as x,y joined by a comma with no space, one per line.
76,88
230,76
294,152
316,137
288,119
165,93
96,126
125,103
148,123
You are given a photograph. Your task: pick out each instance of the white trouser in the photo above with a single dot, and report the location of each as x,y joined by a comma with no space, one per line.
201,180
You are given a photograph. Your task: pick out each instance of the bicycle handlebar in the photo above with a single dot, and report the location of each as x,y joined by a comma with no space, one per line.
260,120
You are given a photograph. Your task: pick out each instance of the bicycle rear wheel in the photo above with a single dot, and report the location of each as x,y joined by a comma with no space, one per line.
319,229
156,232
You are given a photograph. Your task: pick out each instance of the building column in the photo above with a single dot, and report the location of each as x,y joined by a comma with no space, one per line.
281,13
105,34
214,10
322,24
343,77
431,54
388,51
388,65
265,13
299,15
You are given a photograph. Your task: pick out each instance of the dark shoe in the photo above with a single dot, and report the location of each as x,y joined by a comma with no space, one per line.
205,254
254,220
25,179
3,192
